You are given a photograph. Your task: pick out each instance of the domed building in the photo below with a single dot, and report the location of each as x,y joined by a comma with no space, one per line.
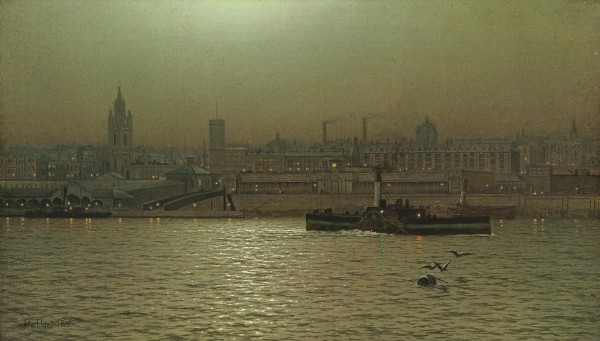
277,145
426,133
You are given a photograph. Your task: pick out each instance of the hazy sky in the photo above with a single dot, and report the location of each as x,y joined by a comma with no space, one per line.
476,68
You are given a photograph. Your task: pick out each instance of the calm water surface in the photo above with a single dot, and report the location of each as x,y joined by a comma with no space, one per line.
170,279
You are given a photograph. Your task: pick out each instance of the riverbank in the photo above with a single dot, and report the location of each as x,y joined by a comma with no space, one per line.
527,206
284,205
178,214
196,214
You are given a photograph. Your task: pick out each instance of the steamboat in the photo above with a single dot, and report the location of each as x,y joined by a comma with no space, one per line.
397,218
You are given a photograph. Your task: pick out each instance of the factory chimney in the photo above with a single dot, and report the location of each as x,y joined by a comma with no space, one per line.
364,129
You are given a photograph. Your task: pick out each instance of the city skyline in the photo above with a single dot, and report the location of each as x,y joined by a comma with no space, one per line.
335,141
486,70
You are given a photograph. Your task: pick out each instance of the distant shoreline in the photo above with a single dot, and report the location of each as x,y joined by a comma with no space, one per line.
295,205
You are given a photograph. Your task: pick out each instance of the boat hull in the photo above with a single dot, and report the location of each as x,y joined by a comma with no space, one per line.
448,226
413,226
329,222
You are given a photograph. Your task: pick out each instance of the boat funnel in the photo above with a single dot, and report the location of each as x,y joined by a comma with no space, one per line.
463,193
377,200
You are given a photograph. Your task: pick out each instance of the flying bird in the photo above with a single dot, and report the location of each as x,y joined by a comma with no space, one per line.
442,267
459,253
430,266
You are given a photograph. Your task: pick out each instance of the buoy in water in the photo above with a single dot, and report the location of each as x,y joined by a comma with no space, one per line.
427,280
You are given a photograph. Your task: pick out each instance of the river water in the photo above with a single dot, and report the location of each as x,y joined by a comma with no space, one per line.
269,279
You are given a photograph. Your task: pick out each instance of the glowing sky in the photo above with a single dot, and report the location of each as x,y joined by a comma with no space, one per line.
476,68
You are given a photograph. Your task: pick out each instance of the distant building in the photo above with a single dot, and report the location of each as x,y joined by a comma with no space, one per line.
575,184
426,154
355,153
490,155
120,136
538,180
108,191
526,164
426,133
573,151
569,151
277,145
19,166
194,178
436,182
216,144
573,135
223,158
494,155
234,159
283,156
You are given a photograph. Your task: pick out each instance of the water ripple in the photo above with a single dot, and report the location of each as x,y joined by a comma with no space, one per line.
270,280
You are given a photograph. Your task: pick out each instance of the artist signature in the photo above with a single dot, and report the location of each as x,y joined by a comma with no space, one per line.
35,323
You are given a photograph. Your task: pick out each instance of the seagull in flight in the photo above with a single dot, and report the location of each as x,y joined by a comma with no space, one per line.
459,253
442,267
430,266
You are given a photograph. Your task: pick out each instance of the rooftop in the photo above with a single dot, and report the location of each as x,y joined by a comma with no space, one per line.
189,170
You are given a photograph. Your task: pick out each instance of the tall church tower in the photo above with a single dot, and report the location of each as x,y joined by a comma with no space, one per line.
120,137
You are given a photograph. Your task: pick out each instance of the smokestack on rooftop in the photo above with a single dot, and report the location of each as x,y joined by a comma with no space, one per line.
325,123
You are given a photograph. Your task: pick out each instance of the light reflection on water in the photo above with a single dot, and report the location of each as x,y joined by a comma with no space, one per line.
271,279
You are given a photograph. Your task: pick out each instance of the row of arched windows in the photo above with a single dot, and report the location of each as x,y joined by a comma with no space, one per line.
116,140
